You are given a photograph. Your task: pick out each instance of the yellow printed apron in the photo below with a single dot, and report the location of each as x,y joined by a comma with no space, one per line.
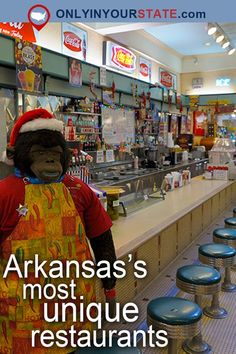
51,228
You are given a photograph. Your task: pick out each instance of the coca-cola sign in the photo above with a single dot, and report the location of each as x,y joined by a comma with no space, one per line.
145,67
167,79
72,41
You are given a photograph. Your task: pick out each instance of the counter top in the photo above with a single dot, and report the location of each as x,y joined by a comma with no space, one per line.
132,231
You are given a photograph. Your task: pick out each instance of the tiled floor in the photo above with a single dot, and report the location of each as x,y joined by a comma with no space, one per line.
220,333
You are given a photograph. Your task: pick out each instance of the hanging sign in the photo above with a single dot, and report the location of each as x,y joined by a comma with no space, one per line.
119,57
178,101
20,30
145,69
193,102
74,41
103,77
28,66
167,79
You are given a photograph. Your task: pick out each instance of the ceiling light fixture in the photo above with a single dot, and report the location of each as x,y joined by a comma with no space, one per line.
211,29
226,43
219,37
231,50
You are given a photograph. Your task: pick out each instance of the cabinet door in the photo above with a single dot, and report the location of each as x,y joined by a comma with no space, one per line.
197,222
168,245
184,232
206,214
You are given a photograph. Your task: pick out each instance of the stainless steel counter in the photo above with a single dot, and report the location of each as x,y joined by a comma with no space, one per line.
129,179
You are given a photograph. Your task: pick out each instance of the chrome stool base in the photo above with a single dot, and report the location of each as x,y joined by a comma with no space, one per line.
228,287
214,312
196,346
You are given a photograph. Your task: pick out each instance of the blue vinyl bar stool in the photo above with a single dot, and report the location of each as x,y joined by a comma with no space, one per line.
202,280
219,255
230,223
225,236
234,212
181,319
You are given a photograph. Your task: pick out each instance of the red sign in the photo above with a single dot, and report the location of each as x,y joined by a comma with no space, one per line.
166,79
20,30
144,69
123,58
72,41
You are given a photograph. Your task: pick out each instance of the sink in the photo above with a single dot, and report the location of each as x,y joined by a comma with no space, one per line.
135,172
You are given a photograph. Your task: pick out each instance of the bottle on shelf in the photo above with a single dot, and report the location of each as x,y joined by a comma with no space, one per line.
136,163
98,142
70,130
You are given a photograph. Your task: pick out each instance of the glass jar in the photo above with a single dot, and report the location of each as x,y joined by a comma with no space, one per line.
113,205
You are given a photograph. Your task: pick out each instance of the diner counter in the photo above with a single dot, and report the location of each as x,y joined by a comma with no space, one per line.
132,231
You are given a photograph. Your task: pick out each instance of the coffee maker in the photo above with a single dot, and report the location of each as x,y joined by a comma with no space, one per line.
154,156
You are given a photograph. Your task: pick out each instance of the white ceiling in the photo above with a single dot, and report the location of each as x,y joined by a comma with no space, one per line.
183,38
191,38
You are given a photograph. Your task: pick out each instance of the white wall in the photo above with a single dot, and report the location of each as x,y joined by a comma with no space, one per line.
50,37
209,82
211,62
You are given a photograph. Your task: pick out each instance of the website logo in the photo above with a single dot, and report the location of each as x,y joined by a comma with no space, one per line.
38,16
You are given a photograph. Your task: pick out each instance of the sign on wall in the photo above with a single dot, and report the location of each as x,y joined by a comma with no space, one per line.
145,69
28,66
223,81
20,30
167,79
118,57
197,82
74,41
118,125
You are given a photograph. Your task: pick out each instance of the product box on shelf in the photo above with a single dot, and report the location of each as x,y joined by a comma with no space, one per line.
220,172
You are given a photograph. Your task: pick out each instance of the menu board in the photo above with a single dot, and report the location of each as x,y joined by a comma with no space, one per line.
118,125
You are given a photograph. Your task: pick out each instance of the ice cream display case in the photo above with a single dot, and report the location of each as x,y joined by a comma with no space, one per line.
222,152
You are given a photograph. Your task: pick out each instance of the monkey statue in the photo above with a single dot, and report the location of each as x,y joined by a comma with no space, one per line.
47,212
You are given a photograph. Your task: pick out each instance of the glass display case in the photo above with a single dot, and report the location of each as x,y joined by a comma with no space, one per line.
222,152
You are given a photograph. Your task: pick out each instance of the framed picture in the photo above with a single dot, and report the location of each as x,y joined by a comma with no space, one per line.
75,72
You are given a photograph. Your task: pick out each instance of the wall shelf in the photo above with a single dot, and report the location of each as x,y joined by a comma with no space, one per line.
79,113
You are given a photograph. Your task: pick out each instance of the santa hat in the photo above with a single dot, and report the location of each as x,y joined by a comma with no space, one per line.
34,120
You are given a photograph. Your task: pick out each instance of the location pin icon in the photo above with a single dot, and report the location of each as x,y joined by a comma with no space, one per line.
38,16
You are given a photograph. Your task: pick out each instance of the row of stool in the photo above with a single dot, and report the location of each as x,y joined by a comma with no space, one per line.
180,317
